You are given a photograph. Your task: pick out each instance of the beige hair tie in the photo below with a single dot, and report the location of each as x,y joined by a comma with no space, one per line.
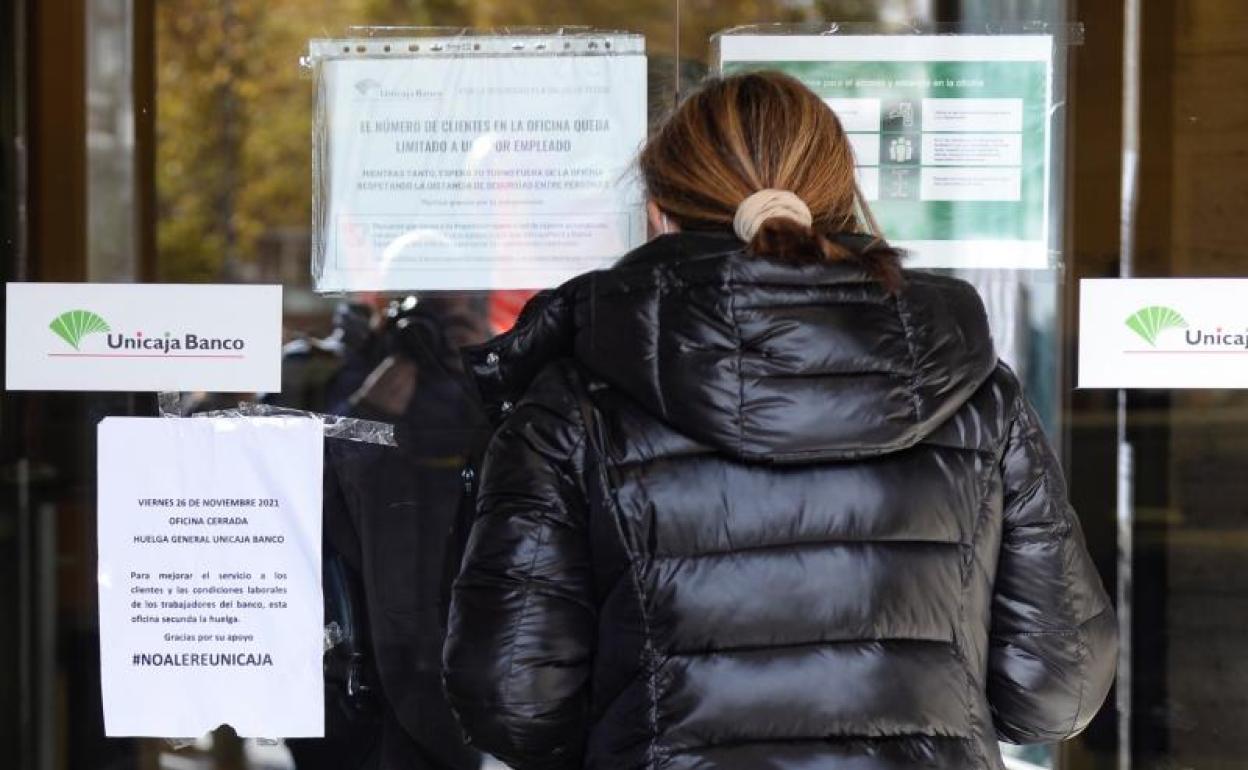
769,204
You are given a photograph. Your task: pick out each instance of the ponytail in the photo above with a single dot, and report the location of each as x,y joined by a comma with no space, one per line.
777,225
763,154
785,240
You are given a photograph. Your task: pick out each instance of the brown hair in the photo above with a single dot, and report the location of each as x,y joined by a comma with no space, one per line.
738,135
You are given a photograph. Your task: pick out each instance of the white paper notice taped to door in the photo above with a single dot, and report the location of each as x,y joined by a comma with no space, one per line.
481,168
210,576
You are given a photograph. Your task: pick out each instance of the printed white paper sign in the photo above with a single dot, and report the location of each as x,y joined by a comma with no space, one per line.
479,171
210,576
143,337
1163,333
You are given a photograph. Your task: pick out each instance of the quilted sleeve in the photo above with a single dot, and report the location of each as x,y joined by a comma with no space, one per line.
1053,646
521,626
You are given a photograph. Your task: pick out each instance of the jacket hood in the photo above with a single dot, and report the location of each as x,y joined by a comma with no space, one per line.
764,361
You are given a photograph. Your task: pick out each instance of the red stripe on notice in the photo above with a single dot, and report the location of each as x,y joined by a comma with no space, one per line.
143,355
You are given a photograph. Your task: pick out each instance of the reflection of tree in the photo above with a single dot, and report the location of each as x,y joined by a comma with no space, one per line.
232,125
234,110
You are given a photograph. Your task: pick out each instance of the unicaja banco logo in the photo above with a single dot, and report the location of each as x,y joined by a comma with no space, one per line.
371,88
73,325
1150,322
367,86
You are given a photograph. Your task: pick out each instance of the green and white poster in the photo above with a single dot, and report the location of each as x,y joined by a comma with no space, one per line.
950,134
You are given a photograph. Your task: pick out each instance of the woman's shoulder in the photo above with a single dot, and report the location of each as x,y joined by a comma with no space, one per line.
685,245
948,285
554,395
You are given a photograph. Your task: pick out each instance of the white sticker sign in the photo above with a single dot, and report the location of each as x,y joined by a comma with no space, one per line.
210,576
143,337
483,170
1163,333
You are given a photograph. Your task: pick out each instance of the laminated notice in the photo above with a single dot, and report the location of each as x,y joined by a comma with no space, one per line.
210,576
482,170
951,134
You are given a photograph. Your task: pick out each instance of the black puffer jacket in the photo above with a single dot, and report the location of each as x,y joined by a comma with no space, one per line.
743,515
